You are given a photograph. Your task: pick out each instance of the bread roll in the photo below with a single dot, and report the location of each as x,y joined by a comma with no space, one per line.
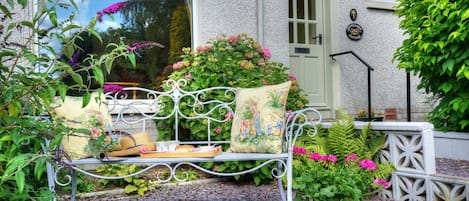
185,148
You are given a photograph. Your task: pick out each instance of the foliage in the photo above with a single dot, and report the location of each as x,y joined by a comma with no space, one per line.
29,82
179,36
436,50
337,165
133,184
234,61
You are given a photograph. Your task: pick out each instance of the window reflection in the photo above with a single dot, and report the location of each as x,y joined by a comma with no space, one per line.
166,22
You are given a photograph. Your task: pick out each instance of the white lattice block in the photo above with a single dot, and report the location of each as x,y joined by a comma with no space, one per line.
411,187
449,188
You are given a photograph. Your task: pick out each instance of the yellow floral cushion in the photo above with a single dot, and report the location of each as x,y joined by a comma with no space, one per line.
94,118
259,118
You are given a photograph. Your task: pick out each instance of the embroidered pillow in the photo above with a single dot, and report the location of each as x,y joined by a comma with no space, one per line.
258,123
94,117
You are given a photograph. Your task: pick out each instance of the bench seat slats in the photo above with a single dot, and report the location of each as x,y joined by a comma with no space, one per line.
224,156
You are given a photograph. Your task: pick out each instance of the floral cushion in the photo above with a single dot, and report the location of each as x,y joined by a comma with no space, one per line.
258,122
89,123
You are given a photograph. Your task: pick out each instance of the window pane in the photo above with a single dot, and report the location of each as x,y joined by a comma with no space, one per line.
290,8
300,9
161,21
312,10
290,27
301,33
312,33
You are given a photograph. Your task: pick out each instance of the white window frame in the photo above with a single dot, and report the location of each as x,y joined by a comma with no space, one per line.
381,4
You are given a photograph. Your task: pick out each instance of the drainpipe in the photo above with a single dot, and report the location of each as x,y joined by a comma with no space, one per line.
260,21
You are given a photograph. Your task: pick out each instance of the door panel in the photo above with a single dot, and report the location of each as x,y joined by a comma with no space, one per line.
307,50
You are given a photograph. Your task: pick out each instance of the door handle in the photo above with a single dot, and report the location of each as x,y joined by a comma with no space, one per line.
319,38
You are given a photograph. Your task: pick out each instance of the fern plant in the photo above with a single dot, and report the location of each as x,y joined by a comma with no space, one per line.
336,164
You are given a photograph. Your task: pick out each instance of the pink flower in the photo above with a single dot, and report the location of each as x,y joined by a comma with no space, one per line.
229,115
261,62
233,39
178,65
142,44
331,158
299,150
291,77
114,8
95,132
351,157
315,156
203,48
188,76
289,115
368,164
217,130
266,52
382,182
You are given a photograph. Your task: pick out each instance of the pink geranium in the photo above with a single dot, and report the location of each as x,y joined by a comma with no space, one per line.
351,157
381,182
188,76
368,164
217,130
299,151
315,156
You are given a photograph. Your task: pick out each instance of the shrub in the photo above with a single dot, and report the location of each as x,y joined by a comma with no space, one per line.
436,50
29,82
234,61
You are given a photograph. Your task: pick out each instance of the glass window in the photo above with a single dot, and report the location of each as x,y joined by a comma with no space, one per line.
153,22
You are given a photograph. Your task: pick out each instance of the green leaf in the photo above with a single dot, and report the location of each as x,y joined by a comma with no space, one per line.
96,34
98,74
132,60
257,180
40,167
86,99
449,65
19,177
130,188
446,87
77,78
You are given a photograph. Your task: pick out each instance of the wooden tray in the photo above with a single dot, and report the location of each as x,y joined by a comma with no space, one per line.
201,154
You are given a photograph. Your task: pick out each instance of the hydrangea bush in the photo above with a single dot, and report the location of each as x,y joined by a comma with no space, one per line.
234,61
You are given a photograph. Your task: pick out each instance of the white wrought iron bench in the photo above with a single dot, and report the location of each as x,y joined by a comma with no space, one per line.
202,106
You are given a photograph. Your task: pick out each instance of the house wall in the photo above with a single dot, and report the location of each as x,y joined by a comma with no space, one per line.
264,20
381,37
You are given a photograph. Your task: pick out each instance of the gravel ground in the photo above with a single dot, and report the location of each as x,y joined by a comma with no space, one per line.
231,191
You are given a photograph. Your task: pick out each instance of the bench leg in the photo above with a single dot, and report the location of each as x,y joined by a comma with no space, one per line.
290,175
280,183
73,174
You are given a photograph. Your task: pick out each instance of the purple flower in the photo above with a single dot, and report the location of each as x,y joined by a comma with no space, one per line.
142,44
113,88
114,8
74,60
